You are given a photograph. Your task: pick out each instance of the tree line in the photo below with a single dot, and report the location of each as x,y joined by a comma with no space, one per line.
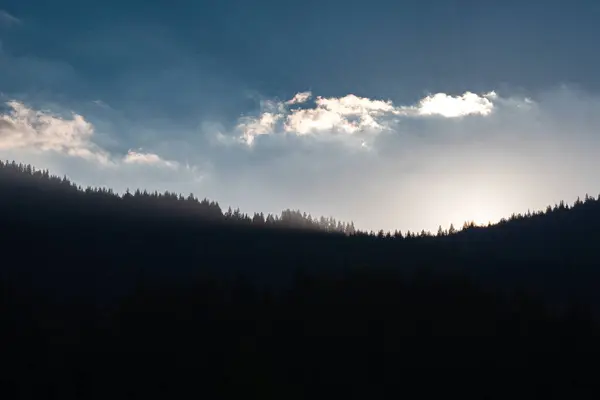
211,210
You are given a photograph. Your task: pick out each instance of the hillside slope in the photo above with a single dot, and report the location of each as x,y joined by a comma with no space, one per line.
94,234
103,294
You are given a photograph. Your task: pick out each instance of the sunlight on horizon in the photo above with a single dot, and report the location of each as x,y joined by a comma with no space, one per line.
481,198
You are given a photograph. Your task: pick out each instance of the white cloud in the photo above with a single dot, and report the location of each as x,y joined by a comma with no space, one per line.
347,114
7,19
299,98
22,128
134,157
319,119
354,105
352,115
459,106
252,127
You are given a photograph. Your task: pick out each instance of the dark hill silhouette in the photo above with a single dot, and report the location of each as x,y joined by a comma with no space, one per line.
105,293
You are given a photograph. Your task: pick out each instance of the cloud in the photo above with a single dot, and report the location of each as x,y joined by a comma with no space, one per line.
134,157
351,115
38,131
299,98
8,20
23,127
451,107
253,127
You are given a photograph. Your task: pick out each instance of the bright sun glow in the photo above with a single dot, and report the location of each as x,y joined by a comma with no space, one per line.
479,204
480,198
478,212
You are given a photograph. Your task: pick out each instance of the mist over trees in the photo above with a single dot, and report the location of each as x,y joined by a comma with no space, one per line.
175,203
126,296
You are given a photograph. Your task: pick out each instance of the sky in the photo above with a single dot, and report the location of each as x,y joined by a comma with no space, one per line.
392,114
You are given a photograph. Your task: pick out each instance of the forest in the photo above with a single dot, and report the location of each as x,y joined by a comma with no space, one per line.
140,294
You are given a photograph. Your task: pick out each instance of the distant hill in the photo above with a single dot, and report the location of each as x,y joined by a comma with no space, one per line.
151,284
48,219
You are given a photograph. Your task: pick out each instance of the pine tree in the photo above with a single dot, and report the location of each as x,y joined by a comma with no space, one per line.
440,231
451,230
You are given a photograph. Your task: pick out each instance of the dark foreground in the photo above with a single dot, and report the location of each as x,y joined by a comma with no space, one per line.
145,296
358,335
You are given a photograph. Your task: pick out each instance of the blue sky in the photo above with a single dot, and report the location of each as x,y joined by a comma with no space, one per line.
199,88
